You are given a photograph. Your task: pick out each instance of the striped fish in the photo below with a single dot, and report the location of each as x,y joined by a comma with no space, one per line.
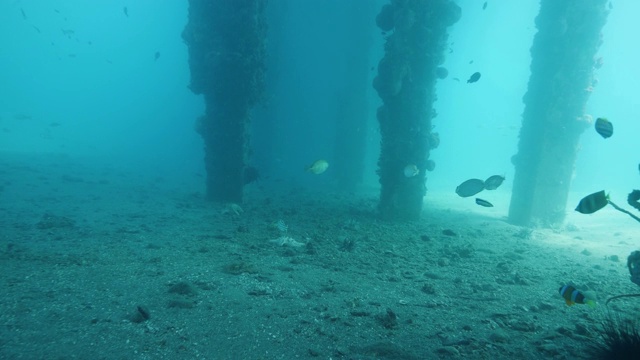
572,296
604,127
592,203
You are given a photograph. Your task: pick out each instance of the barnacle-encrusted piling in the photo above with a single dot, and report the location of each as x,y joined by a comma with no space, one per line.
563,59
226,40
416,40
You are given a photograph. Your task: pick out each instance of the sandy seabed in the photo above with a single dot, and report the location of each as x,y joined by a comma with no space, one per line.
99,263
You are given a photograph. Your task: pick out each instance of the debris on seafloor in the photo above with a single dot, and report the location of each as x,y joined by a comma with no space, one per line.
232,209
287,241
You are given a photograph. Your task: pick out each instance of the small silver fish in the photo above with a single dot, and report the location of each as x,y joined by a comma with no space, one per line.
318,167
411,170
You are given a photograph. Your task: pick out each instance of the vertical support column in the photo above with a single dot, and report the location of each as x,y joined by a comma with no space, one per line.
562,63
416,41
353,106
226,40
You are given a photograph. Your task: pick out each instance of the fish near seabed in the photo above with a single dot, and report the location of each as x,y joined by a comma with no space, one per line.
470,187
493,182
318,167
572,296
593,202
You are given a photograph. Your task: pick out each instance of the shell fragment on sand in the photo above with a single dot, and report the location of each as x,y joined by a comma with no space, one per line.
287,241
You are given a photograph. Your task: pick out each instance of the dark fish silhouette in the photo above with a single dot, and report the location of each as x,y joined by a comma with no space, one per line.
470,187
604,127
484,6
475,77
484,203
24,16
493,182
592,203
156,56
126,11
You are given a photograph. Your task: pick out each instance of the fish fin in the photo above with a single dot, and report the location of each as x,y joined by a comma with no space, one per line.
569,302
590,303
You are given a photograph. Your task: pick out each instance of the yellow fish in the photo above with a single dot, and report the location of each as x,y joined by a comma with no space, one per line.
318,167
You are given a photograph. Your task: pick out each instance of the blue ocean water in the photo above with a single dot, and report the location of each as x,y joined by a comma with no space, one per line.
97,135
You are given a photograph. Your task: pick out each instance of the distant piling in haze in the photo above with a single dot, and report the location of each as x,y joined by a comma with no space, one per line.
226,43
416,41
563,57
353,103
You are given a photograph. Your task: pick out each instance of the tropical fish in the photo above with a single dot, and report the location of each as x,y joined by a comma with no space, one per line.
593,202
318,167
280,226
604,127
572,296
470,187
493,182
411,170
484,203
475,77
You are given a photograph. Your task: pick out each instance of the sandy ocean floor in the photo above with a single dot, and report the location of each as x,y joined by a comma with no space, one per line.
99,263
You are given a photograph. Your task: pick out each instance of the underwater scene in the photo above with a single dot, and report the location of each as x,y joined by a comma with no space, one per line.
319,179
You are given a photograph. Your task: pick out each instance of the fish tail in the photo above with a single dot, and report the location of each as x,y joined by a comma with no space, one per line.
590,303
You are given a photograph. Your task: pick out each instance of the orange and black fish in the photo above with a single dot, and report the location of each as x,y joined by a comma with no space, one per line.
572,296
